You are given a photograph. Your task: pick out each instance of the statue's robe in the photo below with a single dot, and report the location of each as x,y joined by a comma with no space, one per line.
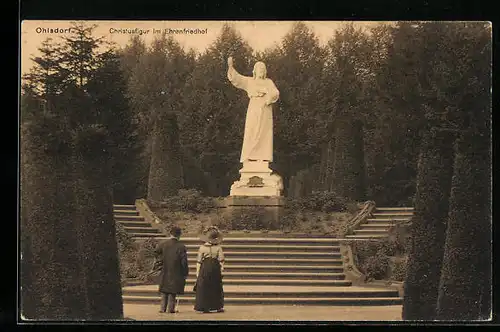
258,136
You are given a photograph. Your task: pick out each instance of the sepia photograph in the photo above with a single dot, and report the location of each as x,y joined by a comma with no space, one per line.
274,171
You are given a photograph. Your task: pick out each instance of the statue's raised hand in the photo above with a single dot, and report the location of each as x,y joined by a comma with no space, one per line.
230,61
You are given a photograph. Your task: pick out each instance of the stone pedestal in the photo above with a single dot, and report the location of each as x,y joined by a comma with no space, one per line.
257,179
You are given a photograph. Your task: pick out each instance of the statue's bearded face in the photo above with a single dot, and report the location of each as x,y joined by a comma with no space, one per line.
259,70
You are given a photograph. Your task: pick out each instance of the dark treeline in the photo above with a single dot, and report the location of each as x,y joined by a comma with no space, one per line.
351,113
74,115
350,117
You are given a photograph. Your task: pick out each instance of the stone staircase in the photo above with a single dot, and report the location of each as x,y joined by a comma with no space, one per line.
378,225
262,269
134,223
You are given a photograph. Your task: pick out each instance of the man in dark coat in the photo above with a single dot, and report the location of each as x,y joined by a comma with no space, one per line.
172,256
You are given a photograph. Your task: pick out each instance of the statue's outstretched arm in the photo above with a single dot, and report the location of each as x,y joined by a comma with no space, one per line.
236,78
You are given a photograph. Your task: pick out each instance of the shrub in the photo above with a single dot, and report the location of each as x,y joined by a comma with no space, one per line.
123,239
365,249
192,200
248,219
167,221
128,265
400,237
127,252
288,220
145,256
146,248
221,221
399,269
376,267
325,201
187,200
372,257
386,247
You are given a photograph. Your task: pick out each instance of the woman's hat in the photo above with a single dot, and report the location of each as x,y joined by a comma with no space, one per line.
212,235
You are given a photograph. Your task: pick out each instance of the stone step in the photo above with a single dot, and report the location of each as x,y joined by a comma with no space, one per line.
364,236
383,208
386,220
277,254
277,268
274,235
285,275
121,218
126,212
135,224
384,226
273,291
370,231
264,240
142,230
237,282
263,276
278,262
124,207
250,248
392,214
142,236
330,301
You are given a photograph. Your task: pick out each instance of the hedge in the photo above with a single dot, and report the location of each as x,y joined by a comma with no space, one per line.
428,228
466,282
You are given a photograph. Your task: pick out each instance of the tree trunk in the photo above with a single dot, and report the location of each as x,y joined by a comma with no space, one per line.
96,228
349,164
435,170
51,284
165,173
465,285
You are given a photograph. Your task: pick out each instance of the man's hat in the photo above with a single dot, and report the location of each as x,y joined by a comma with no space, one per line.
212,235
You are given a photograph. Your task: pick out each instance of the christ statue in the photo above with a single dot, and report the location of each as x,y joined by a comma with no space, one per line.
258,136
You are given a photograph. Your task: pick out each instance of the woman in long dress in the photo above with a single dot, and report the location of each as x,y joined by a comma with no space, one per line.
258,136
209,268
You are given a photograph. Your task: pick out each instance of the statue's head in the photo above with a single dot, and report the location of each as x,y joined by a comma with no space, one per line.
259,70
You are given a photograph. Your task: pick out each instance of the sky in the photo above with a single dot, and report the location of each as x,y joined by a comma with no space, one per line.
259,34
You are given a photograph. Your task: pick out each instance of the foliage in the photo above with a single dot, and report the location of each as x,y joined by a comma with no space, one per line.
165,170
212,120
51,269
123,239
289,220
374,257
108,89
136,259
349,167
399,269
296,66
429,225
221,220
394,81
72,151
187,200
326,201
145,254
465,286
376,267
249,218
127,251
